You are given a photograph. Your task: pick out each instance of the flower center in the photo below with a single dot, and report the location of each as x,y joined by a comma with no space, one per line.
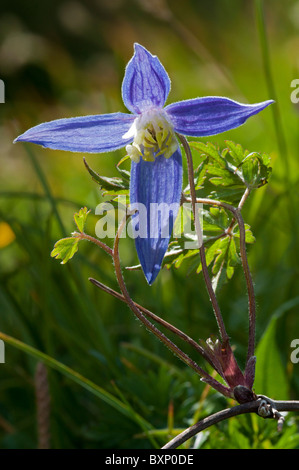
153,136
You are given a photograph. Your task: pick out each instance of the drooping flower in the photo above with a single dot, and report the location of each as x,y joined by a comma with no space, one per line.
148,133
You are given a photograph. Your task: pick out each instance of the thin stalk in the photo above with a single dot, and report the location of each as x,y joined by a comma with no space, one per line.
84,236
208,282
249,283
248,278
244,198
250,407
162,337
159,320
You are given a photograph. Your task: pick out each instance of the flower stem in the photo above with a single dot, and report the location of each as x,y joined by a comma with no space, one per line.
248,278
84,236
249,407
151,327
158,319
208,282
249,283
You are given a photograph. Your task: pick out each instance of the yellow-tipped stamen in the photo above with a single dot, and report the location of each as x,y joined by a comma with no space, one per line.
153,136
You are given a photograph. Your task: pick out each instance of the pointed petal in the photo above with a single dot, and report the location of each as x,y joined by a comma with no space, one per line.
210,115
92,134
156,192
146,83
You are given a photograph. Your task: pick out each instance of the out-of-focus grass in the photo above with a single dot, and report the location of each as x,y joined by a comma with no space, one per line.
64,59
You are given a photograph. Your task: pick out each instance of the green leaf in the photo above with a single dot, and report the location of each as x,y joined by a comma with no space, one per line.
109,186
209,150
226,174
65,249
200,175
224,178
232,260
235,151
221,254
228,194
213,251
125,173
215,217
254,170
249,237
80,218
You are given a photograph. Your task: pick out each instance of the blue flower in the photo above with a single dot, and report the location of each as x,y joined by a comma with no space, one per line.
148,134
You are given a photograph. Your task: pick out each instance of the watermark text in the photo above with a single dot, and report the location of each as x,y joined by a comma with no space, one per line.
2,352
149,221
2,92
295,353
295,92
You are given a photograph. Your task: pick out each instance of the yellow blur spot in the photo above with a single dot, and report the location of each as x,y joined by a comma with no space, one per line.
7,236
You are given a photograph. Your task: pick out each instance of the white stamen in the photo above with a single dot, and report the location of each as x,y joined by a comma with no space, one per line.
153,136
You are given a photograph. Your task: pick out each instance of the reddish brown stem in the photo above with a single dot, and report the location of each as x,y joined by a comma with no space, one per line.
172,346
249,282
84,236
208,282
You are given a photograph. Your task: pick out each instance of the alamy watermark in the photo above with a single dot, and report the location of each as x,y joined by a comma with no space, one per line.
295,92
2,92
295,353
2,352
162,218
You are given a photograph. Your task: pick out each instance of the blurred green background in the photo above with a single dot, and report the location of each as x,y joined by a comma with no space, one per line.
67,58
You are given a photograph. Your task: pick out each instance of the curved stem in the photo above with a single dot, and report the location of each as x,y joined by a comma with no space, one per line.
84,236
250,407
208,282
162,337
249,282
250,287
158,319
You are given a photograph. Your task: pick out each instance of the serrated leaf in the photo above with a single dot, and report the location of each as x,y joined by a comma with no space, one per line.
200,175
179,256
172,255
235,151
232,259
215,219
226,179
65,249
209,150
234,169
213,251
80,218
221,254
250,168
249,237
254,170
183,221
